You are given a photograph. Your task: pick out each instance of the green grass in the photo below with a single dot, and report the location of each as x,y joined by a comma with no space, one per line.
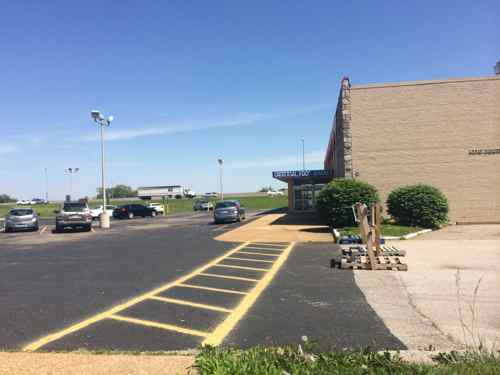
174,205
387,230
280,361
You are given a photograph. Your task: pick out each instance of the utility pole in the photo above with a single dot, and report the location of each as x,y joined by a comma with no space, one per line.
303,156
46,186
220,161
102,122
71,172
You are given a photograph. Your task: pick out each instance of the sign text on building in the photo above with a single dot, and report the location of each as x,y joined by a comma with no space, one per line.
484,151
303,173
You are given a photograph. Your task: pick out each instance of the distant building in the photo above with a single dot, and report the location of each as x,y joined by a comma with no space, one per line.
157,192
444,133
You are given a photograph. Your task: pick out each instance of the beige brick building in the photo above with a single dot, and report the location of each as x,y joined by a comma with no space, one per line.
445,133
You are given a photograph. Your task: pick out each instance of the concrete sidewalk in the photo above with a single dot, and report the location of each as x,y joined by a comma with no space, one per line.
280,228
94,364
431,303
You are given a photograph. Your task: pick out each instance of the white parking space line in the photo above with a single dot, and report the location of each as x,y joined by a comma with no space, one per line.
43,229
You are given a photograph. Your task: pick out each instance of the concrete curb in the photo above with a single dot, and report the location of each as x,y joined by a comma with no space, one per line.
407,236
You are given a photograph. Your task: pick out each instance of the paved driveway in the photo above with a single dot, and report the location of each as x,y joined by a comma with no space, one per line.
432,303
169,285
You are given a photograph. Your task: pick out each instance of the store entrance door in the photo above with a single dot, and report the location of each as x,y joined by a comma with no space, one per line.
305,196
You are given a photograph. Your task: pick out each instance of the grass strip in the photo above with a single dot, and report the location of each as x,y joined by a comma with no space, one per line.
387,230
174,205
287,360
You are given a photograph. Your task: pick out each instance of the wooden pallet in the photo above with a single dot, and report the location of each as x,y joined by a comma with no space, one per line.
371,255
361,250
389,263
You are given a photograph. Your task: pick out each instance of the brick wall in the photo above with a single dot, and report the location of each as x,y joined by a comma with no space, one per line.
422,132
338,154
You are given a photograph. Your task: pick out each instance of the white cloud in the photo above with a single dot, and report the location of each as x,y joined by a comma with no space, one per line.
279,161
241,119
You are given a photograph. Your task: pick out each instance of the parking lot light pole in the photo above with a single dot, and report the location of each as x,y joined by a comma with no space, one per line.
46,186
303,156
102,122
220,161
71,172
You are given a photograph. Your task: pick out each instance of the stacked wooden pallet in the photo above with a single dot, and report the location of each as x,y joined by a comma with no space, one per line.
371,255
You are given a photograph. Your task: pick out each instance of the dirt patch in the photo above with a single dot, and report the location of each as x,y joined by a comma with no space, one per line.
92,364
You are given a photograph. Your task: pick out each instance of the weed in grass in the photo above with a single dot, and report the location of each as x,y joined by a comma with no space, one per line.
473,341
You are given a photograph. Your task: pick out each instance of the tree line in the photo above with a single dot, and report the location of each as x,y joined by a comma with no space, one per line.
118,191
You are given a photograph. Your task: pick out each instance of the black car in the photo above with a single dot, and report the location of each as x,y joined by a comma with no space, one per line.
129,211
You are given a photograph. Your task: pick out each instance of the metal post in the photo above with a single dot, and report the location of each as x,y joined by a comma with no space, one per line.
102,170
303,156
71,185
101,121
221,187
104,218
220,161
46,186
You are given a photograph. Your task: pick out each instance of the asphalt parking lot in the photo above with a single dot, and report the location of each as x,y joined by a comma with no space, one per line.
167,284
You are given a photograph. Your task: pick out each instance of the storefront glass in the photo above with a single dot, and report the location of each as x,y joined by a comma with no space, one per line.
304,196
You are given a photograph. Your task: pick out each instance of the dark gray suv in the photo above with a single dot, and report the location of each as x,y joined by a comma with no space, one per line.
74,215
228,211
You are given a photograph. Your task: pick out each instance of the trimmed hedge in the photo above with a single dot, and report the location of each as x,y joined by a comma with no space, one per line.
335,200
418,205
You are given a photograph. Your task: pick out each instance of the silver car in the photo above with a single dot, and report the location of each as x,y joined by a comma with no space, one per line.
203,205
228,211
21,218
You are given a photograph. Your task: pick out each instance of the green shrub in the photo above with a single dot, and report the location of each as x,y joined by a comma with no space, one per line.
335,200
418,205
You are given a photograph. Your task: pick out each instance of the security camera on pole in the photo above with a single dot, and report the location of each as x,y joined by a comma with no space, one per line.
100,120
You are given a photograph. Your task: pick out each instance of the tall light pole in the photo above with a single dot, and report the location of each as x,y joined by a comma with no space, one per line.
46,186
102,122
303,156
220,161
71,172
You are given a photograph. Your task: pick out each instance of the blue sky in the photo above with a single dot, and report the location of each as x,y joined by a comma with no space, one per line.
191,81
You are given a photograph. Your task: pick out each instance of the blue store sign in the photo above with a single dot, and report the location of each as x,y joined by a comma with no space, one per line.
303,173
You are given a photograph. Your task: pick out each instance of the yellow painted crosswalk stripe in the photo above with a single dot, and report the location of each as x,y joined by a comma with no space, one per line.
251,260
256,253
221,290
228,277
189,303
283,246
241,267
263,248
150,323
51,337
218,335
